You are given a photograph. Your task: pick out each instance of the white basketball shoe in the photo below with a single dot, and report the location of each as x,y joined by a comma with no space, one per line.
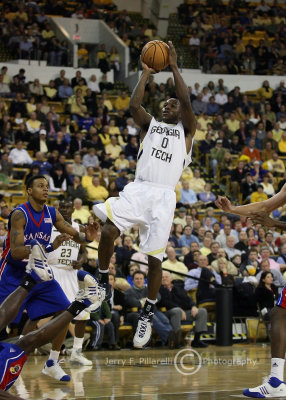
38,266
144,330
272,389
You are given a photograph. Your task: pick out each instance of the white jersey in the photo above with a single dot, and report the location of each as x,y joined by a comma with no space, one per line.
162,155
64,255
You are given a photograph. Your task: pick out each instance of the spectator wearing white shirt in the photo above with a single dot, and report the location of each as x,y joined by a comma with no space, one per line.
231,251
224,233
57,181
131,128
206,94
194,40
33,125
221,98
93,85
20,156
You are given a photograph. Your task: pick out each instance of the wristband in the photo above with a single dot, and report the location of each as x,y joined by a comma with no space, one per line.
49,248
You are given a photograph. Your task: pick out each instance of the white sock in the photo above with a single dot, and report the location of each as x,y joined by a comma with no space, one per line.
54,355
21,336
277,368
103,271
77,343
151,301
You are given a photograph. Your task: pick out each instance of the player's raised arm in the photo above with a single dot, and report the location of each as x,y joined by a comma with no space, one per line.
266,206
79,237
18,250
139,114
187,115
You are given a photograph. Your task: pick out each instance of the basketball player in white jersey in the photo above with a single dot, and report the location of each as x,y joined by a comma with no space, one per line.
150,200
65,261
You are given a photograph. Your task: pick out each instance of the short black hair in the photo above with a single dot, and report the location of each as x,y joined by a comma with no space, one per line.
31,180
138,272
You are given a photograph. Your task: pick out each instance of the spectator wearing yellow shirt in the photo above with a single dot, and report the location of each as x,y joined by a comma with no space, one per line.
31,105
47,33
81,85
232,123
204,120
172,264
33,125
87,179
113,148
121,162
51,91
107,103
122,101
275,165
78,109
282,145
200,134
104,136
79,212
95,192
197,183
259,195
265,91
113,130
277,132
5,77
82,55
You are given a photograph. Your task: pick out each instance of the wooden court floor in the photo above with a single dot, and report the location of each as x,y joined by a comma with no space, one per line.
212,373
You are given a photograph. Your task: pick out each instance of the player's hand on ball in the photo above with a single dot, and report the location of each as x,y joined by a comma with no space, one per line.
91,230
172,55
146,68
60,239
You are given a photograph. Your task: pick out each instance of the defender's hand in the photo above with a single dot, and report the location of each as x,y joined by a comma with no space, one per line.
91,231
60,239
172,55
263,218
224,204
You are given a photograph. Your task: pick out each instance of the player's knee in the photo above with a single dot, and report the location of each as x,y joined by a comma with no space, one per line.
109,232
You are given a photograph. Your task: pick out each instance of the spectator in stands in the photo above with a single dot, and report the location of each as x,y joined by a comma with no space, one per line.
18,106
217,155
122,180
121,162
247,187
131,148
199,107
230,249
181,218
76,190
59,81
225,232
187,238
196,183
44,166
80,212
181,307
117,308
259,195
278,280
113,148
65,90
267,185
19,155
207,196
4,88
90,159
122,101
51,125
212,107
187,195
26,49
282,145
95,192
36,89
135,299
266,294
104,84
58,181
173,265
205,291
252,152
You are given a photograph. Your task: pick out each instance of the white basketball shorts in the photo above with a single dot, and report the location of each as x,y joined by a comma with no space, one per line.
67,279
149,205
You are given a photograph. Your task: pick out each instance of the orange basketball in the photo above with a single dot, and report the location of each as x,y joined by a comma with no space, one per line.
155,54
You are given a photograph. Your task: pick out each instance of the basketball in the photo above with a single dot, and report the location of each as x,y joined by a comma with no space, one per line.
155,54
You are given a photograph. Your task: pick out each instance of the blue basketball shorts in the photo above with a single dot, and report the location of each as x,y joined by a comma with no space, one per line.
12,360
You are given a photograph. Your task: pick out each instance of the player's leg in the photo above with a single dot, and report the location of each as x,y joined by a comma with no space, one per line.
11,305
144,328
76,355
274,386
106,249
87,297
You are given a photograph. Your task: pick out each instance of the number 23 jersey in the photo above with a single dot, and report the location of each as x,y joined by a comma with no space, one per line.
162,155
64,255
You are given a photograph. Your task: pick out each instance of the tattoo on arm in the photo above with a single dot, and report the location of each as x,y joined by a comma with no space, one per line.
14,236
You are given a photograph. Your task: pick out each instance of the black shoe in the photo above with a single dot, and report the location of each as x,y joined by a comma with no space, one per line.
171,339
198,343
178,337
